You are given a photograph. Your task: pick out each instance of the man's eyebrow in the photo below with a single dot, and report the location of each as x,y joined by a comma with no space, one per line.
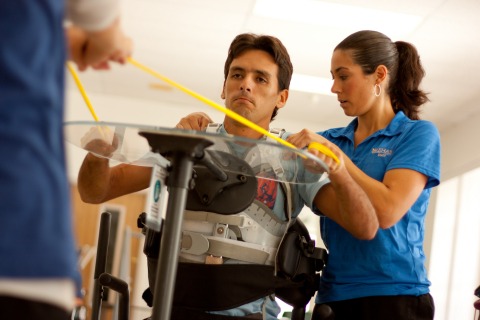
263,73
235,68
257,71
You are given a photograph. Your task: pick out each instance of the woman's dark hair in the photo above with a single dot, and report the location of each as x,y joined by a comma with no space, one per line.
371,49
269,44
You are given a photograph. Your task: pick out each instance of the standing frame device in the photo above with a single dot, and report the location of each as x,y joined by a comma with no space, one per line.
178,151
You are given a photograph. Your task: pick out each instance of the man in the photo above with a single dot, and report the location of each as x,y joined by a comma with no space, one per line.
257,77
38,262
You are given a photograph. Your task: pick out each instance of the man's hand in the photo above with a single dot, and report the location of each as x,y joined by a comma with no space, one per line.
100,141
194,121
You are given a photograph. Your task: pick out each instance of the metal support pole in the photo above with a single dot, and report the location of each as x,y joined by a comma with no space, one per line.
178,183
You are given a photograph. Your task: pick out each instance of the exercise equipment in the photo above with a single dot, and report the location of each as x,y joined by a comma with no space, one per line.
177,151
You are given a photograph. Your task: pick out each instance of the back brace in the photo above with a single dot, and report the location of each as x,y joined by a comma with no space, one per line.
271,256
250,236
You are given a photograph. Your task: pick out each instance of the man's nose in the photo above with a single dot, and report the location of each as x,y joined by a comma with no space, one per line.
246,84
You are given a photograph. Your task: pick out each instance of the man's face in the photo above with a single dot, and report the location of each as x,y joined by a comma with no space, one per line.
251,87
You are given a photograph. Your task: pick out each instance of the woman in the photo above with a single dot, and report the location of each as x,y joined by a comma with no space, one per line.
395,157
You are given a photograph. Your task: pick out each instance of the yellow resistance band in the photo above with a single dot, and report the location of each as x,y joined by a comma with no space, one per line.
209,102
82,90
235,116
231,113
323,149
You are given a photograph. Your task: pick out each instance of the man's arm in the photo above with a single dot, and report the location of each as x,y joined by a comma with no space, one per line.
98,182
345,202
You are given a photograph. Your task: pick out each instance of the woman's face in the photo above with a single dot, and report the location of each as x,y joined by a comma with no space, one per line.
353,88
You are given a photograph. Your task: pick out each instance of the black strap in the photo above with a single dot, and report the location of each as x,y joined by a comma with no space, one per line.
183,313
205,287
221,287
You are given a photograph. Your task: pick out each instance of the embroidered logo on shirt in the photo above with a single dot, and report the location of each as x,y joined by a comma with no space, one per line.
382,152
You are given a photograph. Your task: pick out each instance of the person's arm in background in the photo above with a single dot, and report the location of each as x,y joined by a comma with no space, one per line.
95,38
94,35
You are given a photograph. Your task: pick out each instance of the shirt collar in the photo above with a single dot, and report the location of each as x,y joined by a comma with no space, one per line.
394,127
222,130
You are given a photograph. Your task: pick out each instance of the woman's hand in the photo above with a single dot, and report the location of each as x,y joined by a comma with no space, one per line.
332,159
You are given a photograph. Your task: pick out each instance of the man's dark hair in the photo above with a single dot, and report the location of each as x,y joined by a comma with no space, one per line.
269,44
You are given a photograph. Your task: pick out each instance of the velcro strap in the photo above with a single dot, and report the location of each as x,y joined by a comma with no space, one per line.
224,248
198,244
236,220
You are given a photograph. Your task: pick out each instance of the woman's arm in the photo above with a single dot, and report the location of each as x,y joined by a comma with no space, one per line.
391,198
